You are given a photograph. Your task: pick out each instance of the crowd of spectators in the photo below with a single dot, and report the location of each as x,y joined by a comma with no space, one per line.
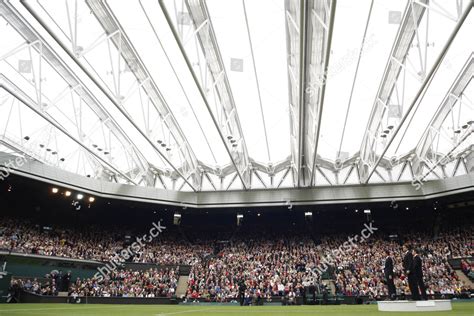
458,243
281,267
152,282
359,271
93,244
129,283
43,287
266,268
257,266
467,266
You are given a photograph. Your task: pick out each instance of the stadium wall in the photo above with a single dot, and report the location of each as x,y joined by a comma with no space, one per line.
26,297
37,266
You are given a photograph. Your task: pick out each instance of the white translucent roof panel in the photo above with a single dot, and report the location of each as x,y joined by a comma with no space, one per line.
346,43
267,30
165,63
446,74
33,71
102,57
211,89
45,143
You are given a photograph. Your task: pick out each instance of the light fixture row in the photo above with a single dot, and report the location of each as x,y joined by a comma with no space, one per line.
68,193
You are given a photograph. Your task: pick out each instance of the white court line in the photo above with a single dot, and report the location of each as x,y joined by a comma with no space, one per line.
224,311
186,311
55,309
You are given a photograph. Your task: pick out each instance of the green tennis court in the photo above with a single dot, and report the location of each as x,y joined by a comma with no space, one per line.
214,310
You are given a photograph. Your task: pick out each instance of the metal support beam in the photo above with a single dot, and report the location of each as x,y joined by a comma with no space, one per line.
110,24
113,99
31,40
424,146
15,92
305,43
238,154
322,33
292,18
348,173
468,160
308,48
323,174
210,180
260,179
283,177
406,33
370,140
231,181
10,143
447,156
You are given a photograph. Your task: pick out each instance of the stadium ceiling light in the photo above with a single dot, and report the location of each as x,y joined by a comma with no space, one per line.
177,219
91,199
367,211
308,213
55,190
67,193
80,196
240,218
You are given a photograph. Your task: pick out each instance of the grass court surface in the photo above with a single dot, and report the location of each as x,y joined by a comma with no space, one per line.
462,308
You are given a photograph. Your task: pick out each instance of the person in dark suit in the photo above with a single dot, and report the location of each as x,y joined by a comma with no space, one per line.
389,275
242,289
66,281
408,270
418,272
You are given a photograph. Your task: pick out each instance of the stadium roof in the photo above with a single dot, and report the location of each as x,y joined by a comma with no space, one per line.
200,95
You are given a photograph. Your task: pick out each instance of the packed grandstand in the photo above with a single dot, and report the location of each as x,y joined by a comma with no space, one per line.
268,264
